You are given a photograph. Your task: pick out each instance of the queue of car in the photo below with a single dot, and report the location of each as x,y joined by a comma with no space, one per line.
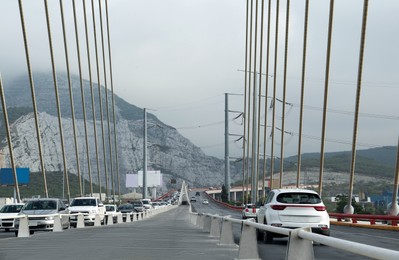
41,212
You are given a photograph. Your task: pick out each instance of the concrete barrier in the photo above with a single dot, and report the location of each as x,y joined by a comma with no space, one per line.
248,242
23,229
110,219
97,220
57,227
226,235
207,223
299,248
81,222
215,227
119,218
129,217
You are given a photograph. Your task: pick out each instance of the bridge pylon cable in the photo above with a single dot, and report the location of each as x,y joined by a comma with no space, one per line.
32,88
82,92
57,99
93,107
100,98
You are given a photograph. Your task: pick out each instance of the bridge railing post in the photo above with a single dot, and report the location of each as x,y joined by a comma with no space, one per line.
215,227
248,242
226,236
299,248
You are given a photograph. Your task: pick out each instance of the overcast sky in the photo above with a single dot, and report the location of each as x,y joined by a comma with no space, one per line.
179,57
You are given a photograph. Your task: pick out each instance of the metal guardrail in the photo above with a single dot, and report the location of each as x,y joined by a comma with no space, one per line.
393,220
354,218
300,241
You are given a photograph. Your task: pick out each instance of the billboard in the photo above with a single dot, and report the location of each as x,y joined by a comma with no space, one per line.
7,176
154,178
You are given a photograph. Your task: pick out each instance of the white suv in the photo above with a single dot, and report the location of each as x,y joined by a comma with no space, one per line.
89,206
293,208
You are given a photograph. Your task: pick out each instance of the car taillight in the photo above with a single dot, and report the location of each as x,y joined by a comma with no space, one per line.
278,207
253,210
246,210
320,208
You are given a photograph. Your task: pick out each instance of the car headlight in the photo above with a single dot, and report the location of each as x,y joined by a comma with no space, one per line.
49,218
93,211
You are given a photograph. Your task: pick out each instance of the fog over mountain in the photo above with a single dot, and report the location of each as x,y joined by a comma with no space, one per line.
168,150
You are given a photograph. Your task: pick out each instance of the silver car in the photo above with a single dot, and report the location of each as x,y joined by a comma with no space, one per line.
41,214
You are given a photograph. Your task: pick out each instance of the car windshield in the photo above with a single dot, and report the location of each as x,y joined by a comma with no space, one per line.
127,206
146,202
298,198
109,208
83,202
11,208
40,205
137,204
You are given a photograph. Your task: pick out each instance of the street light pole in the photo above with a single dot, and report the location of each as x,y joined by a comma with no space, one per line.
145,156
226,147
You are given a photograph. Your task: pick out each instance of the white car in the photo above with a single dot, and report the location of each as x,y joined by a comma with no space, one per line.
146,203
250,210
110,211
293,208
7,214
89,206
41,214
206,202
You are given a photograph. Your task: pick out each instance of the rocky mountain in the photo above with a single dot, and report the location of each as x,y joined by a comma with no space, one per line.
168,150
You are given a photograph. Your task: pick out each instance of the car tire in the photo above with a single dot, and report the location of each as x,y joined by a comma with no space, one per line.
31,232
260,235
268,236
16,233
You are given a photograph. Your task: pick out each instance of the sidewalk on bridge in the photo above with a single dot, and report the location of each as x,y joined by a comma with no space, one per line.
169,235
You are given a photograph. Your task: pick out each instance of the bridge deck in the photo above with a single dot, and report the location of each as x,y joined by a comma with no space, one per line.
165,236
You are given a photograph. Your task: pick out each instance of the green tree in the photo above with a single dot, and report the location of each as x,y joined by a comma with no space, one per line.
342,201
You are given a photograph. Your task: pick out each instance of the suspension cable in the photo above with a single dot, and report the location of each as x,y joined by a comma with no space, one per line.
113,102
93,108
10,146
83,98
57,99
32,88
100,98
71,99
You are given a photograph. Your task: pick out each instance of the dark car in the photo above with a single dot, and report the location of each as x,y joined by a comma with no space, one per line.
126,210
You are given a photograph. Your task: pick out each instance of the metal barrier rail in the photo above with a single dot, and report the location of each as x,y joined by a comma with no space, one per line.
372,218
393,220
300,241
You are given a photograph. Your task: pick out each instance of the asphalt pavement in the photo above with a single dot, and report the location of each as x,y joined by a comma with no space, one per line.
168,235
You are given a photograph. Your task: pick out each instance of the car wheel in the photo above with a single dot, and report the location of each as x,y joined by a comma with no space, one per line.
326,232
260,235
68,226
268,236
16,233
31,232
